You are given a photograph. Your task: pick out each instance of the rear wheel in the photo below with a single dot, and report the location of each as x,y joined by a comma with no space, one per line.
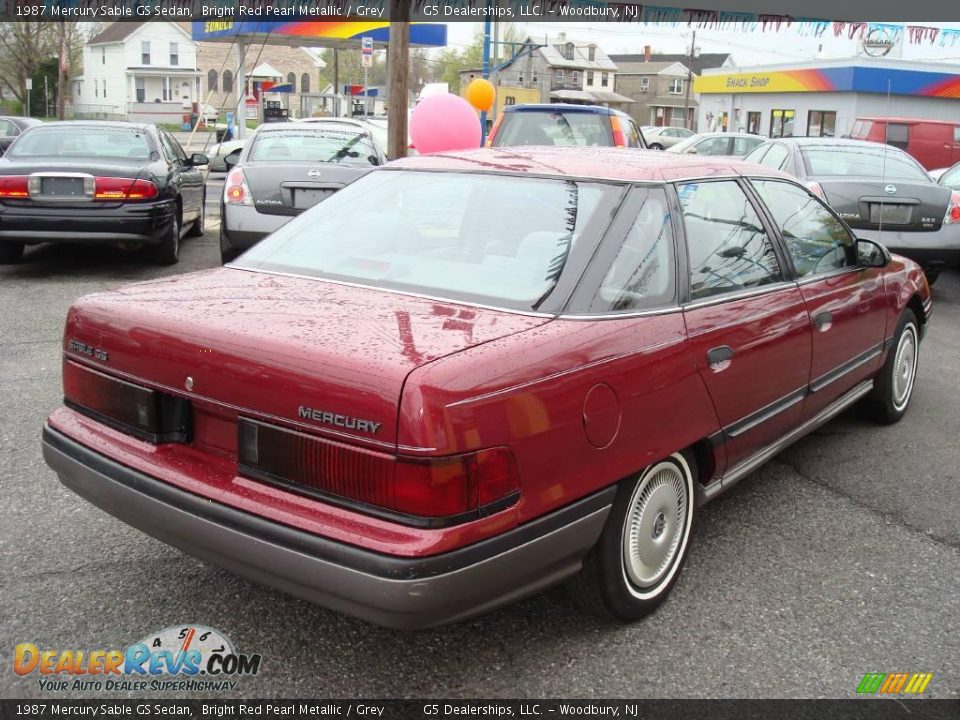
10,252
634,565
893,387
196,229
168,251
932,276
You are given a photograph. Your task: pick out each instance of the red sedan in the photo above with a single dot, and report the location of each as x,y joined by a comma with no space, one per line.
467,377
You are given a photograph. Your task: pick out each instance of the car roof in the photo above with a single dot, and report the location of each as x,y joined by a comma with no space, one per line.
833,142
602,163
566,107
116,124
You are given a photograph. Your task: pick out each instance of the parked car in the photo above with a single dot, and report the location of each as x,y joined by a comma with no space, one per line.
285,169
11,127
662,137
718,144
881,192
222,150
562,124
933,143
949,177
99,182
466,377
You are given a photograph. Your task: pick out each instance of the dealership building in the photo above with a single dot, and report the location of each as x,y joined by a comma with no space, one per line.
825,97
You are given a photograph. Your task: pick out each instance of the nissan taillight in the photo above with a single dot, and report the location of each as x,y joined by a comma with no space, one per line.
114,188
619,139
953,209
237,192
427,492
14,186
138,411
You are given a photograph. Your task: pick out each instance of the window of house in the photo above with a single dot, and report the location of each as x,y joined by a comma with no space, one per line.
645,83
292,82
821,123
533,77
510,100
727,247
212,80
592,52
575,77
676,86
604,78
103,56
227,81
559,76
781,123
589,77
568,51
96,88
305,83
174,53
520,78
141,90
104,87
145,52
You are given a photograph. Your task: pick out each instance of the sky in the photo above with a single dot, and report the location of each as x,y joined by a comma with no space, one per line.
748,48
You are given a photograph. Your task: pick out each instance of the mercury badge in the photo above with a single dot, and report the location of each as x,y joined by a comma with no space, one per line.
890,189
314,174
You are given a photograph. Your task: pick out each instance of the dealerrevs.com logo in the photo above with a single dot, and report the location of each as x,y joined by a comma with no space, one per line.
190,658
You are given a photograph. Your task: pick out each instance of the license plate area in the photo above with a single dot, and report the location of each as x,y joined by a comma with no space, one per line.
888,214
61,187
304,198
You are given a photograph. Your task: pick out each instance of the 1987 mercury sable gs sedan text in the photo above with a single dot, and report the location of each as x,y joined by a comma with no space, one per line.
467,377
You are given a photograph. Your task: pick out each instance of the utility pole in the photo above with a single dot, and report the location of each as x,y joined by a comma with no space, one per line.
337,110
398,61
686,99
486,72
63,66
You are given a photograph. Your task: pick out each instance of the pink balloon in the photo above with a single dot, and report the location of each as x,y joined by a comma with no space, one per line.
444,122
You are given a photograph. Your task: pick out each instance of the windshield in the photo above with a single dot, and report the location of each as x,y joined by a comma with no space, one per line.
82,141
315,143
493,239
863,161
553,127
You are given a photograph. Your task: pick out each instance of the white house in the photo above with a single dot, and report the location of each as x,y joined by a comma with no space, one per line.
138,71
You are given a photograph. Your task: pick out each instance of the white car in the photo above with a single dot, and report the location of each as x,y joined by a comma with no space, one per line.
718,144
664,136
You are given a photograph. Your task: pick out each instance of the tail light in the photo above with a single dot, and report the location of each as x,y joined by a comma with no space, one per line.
619,139
494,129
953,209
426,492
815,188
112,188
138,411
237,191
14,186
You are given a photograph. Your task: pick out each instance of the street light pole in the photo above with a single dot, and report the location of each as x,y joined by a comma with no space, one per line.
486,72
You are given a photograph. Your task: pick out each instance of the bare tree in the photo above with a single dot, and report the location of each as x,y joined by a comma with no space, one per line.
24,46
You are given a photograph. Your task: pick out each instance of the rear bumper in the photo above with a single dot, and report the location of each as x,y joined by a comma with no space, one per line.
242,227
928,249
133,222
399,592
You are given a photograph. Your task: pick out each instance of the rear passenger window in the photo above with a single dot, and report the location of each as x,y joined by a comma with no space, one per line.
642,272
816,240
776,156
727,247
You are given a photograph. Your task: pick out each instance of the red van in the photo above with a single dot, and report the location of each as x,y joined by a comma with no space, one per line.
934,143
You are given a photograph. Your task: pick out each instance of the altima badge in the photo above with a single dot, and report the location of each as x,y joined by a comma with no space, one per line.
890,189
314,174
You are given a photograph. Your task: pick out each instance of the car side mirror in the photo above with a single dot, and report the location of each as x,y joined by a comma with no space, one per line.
692,151
872,254
231,160
199,159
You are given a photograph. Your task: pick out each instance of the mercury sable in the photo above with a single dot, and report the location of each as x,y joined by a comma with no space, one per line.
467,377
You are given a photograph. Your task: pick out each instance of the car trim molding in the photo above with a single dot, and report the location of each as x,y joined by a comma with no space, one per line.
845,368
740,294
765,413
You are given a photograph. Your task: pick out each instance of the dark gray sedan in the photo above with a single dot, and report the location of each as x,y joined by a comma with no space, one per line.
287,168
881,192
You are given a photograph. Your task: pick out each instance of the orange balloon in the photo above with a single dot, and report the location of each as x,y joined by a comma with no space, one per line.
480,94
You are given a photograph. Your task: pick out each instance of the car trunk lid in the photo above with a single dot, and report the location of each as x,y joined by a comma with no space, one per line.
317,355
289,188
896,204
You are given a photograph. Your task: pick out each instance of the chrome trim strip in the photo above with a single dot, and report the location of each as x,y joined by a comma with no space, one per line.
739,295
765,413
464,303
745,467
623,315
845,368
810,279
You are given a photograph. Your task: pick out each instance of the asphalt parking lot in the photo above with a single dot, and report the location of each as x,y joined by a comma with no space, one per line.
840,557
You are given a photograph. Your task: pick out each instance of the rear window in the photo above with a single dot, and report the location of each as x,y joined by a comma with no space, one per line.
80,141
494,239
831,160
315,143
554,128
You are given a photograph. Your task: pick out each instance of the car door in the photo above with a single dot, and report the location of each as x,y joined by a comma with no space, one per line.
746,320
191,178
846,302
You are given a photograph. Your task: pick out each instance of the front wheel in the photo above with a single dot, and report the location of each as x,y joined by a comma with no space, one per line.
10,252
893,387
636,562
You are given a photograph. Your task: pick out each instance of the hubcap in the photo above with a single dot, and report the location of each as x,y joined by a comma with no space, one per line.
904,367
655,525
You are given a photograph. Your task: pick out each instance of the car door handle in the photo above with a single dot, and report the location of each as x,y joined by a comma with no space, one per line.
823,321
719,357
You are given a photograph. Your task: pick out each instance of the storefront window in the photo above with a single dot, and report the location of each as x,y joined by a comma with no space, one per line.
753,123
821,123
781,123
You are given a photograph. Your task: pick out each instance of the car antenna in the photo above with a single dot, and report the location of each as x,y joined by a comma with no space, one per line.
883,164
